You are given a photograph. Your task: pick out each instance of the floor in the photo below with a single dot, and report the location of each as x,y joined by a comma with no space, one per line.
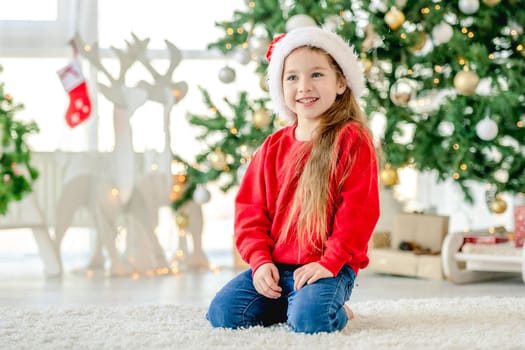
23,284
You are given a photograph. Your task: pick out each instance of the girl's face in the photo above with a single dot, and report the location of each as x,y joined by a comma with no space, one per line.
310,83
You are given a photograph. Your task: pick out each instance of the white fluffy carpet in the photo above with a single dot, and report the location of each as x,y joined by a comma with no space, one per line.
454,323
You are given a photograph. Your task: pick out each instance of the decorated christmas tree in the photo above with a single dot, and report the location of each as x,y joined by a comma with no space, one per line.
16,173
445,80
230,138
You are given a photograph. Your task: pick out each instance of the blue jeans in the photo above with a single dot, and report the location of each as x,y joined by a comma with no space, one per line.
314,308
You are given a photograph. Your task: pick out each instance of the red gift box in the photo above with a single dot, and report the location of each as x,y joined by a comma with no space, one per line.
484,239
519,225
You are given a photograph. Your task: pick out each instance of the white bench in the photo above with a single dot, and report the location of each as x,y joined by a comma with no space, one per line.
36,211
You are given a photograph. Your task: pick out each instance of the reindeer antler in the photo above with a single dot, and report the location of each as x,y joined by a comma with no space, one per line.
116,91
175,57
163,89
91,53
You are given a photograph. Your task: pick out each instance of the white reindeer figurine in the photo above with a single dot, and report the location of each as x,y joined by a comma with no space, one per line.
108,186
156,186
112,192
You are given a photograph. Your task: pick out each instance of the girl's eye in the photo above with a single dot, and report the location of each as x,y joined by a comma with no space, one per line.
316,75
291,77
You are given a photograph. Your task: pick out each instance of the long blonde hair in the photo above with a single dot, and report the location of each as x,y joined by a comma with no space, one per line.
311,212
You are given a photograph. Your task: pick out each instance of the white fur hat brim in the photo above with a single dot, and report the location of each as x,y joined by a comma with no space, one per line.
330,42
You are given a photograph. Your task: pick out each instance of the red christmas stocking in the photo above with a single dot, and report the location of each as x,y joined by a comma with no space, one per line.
75,85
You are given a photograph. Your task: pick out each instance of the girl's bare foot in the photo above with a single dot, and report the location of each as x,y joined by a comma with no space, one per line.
349,312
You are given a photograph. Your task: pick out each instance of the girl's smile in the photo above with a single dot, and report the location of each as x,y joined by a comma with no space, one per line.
308,100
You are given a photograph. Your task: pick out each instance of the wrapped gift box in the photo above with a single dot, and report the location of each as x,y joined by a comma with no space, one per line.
519,225
485,239
425,230
380,239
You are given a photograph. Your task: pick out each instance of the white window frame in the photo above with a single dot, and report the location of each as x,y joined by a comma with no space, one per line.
40,38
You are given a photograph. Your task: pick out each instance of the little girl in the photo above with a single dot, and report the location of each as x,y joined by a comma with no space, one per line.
309,201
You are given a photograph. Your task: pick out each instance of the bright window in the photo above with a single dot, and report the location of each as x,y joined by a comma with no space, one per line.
34,45
43,10
188,24
31,57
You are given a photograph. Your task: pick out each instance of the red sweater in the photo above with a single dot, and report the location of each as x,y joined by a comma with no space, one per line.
267,191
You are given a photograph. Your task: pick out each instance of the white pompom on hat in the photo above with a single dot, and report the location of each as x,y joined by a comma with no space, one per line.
311,36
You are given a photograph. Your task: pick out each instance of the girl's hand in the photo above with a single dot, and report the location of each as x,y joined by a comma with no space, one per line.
309,273
266,279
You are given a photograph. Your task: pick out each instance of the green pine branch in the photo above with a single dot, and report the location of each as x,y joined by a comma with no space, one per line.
17,174
232,134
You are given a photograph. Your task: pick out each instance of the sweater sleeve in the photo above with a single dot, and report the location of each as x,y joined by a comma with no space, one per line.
252,219
357,207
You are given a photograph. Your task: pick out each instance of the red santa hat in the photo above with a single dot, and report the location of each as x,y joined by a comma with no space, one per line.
328,41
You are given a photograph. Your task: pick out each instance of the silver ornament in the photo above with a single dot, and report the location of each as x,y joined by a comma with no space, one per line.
501,175
468,7
258,45
405,134
227,75
331,23
242,56
401,92
201,195
446,128
442,33
298,21
487,129
241,171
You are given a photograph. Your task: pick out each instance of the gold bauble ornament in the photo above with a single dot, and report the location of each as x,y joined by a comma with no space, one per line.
263,84
466,82
261,118
491,2
217,159
389,176
498,206
366,63
181,220
394,18
420,42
